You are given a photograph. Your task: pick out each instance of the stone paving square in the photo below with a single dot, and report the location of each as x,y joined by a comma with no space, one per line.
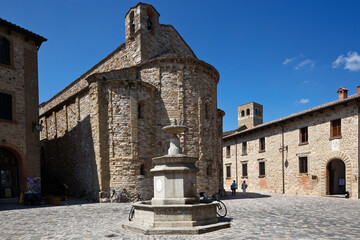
255,216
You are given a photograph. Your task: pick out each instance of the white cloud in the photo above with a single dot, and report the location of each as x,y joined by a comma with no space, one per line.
305,63
289,60
306,81
351,61
304,101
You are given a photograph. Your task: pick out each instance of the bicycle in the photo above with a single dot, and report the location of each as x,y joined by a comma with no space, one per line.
221,209
120,197
132,210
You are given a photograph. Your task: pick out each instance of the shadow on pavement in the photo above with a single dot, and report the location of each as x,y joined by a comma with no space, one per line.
14,205
239,195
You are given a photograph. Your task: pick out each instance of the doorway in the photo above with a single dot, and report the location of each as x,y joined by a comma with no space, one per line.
9,180
335,177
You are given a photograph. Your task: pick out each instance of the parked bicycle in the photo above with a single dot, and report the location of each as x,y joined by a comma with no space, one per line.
123,196
221,209
132,210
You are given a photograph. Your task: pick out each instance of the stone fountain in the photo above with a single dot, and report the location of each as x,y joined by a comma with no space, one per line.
175,207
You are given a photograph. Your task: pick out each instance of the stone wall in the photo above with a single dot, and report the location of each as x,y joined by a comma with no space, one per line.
320,149
150,82
20,79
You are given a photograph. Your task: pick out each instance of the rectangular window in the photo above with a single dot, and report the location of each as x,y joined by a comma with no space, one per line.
228,151
304,135
228,171
261,169
244,148
5,106
262,144
336,128
244,170
303,165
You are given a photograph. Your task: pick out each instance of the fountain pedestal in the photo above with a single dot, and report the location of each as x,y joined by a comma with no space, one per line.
175,208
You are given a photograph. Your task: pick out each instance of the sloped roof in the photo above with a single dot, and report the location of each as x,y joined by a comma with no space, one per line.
295,115
37,38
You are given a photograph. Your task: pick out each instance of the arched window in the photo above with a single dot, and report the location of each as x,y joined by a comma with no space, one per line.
256,111
132,24
4,51
242,113
247,111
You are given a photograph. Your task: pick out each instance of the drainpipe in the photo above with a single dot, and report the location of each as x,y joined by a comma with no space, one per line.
282,149
236,160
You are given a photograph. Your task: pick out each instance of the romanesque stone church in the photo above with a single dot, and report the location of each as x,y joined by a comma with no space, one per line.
102,131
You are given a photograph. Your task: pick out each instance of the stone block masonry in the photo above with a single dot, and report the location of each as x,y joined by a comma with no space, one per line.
103,129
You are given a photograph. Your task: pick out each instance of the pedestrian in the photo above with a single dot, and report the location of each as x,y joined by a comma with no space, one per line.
243,187
233,188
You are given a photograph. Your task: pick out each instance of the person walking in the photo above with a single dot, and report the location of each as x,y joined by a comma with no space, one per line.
233,188
243,187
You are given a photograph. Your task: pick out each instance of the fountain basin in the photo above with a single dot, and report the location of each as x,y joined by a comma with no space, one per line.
175,219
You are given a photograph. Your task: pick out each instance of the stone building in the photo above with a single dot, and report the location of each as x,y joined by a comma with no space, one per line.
102,131
314,152
19,139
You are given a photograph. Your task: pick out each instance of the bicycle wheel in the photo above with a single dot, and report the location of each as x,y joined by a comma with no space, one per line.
221,210
131,213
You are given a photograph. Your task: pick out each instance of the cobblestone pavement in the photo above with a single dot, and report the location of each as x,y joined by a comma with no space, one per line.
255,216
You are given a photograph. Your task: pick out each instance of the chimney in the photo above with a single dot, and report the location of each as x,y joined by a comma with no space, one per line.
343,93
358,88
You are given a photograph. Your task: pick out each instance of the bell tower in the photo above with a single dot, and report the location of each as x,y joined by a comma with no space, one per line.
140,19
250,115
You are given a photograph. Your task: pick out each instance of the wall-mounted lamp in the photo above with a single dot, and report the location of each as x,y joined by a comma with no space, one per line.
36,126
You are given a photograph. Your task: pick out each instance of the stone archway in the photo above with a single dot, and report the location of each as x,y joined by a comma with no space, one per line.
330,184
20,161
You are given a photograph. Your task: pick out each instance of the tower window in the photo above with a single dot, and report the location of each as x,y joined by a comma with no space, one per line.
242,113
149,23
5,106
256,111
247,111
4,51
132,24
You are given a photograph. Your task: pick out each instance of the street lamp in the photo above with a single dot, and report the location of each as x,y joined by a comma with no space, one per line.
36,126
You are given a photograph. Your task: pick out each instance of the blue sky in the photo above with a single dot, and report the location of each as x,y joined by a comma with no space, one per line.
287,55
